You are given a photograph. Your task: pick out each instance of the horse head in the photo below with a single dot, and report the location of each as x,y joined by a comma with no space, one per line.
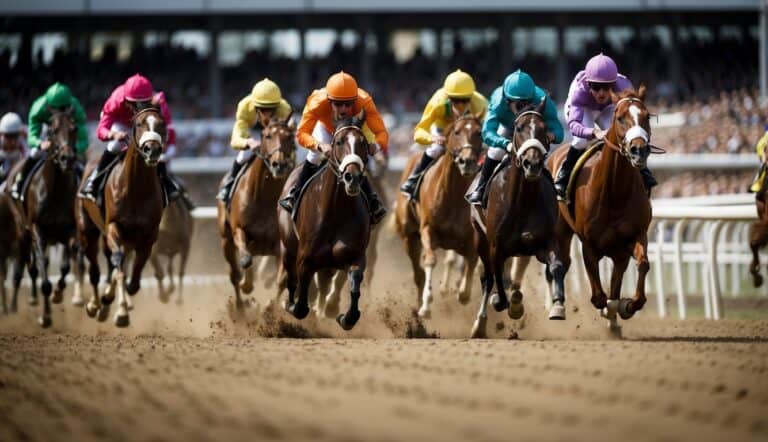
349,152
464,142
530,141
278,148
62,133
149,134
631,127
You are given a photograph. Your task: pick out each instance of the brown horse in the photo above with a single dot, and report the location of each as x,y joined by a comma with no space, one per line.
332,226
133,206
758,236
249,226
174,238
14,245
48,207
520,221
611,209
440,217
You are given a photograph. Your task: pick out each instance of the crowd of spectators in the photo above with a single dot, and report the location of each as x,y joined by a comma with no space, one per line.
716,96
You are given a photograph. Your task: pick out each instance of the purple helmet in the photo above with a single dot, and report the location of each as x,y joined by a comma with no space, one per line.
601,69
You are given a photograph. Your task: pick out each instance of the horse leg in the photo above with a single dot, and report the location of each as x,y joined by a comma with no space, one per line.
268,278
77,296
246,260
413,248
371,256
18,274
32,270
183,257
171,282
323,280
516,309
91,251
555,274
289,276
486,284
758,237
117,258
448,263
230,254
159,275
349,319
628,308
3,292
334,296
465,289
39,249
591,263
499,299
64,267
429,266
300,309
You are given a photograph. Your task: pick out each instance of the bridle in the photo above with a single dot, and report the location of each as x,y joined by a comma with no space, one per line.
264,156
147,136
56,147
636,131
531,143
350,158
455,153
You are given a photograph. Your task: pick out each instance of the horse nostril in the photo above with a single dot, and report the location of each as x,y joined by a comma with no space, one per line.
347,177
274,164
526,163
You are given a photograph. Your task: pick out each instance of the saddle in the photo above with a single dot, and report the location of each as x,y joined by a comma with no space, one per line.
594,148
304,188
238,177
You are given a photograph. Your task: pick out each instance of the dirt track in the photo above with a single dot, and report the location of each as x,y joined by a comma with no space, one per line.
203,372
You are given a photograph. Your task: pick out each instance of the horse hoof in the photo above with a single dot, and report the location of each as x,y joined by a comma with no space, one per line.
478,329
91,310
757,280
103,313
625,308
247,288
463,298
331,312
425,313
299,311
557,312
46,287
44,321
599,302
246,261
348,321
57,296
163,297
78,302
499,304
516,308
122,320
615,329
105,300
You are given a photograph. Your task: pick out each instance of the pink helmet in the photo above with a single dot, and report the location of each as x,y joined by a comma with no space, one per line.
138,88
601,69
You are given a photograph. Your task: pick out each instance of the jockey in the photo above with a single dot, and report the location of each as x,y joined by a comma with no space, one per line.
757,186
114,127
589,102
254,111
13,142
340,99
57,98
457,96
517,94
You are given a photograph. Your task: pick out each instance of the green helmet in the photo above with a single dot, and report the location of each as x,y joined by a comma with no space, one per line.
519,86
58,95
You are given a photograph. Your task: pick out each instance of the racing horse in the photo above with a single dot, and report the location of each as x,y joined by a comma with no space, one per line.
174,238
439,216
332,226
610,209
519,221
758,236
48,206
133,206
248,226
14,245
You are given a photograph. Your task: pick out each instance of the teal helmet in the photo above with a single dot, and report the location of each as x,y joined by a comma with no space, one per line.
519,86
58,95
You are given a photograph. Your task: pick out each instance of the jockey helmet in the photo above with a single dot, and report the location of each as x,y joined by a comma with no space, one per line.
138,88
11,124
459,84
601,69
519,86
58,95
341,87
266,93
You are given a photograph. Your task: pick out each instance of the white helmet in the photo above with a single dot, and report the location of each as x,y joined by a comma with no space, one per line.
11,124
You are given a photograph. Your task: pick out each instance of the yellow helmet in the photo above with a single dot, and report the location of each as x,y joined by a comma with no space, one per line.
265,93
459,84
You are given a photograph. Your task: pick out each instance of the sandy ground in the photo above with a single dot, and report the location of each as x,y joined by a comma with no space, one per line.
203,371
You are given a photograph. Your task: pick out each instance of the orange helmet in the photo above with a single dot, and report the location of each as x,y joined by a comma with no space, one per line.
341,87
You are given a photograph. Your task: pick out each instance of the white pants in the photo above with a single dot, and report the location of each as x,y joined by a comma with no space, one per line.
604,118
497,153
322,135
435,150
246,154
115,146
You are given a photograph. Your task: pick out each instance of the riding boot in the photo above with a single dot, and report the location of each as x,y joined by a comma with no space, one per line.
305,174
476,197
648,180
228,182
94,180
375,207
21,177
410,184
564,174
172,190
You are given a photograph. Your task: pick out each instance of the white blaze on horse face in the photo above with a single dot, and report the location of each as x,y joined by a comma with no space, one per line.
635,131
151,134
